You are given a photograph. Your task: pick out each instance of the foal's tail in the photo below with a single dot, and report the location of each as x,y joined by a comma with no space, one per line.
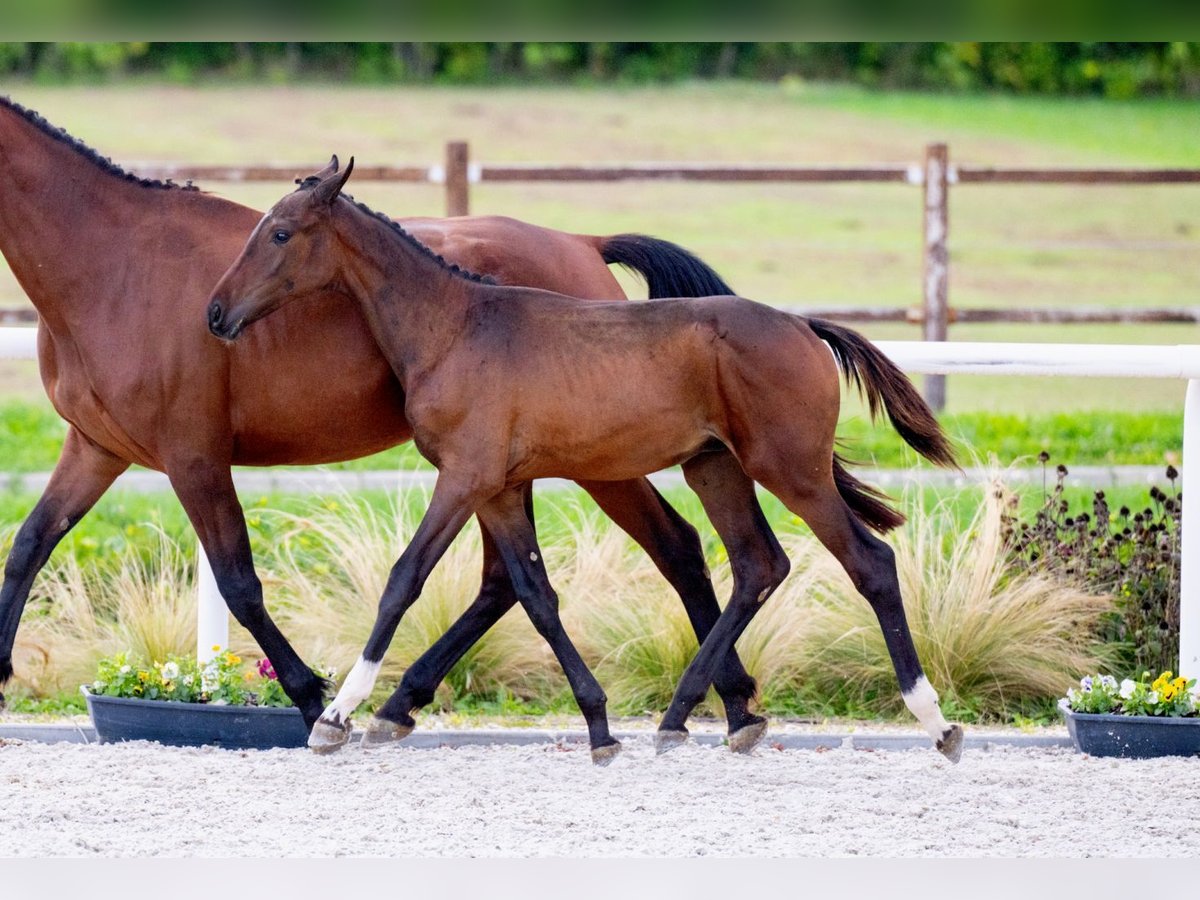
884,385
669,270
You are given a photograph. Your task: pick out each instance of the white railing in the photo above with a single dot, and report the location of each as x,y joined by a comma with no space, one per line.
933,358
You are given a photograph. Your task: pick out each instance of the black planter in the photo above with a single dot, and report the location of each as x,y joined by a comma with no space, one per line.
1132,737
195,724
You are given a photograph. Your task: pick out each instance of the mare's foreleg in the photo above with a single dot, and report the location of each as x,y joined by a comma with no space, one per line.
207,493
83,473
674,546
759,567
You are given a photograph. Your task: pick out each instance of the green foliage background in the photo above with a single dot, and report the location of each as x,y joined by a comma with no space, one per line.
1110,69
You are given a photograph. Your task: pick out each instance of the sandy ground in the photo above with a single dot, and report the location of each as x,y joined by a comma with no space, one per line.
143,799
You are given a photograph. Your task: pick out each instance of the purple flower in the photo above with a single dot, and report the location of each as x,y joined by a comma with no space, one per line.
266,670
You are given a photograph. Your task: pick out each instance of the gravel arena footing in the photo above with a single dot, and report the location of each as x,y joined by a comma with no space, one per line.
547,799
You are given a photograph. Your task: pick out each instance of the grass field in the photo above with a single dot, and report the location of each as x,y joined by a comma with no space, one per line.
803,245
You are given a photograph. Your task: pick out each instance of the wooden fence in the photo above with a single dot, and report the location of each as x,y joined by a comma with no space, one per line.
936,176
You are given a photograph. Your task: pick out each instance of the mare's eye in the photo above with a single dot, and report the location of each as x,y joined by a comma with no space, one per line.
281,237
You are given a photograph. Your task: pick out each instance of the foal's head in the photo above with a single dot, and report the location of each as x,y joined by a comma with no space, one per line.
291,253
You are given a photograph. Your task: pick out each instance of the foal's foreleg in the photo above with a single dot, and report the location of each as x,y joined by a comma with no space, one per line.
759,567
672,543
450,507
393,721
505,517
83,473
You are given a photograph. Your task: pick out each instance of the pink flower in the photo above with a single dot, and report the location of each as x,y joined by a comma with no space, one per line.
266,670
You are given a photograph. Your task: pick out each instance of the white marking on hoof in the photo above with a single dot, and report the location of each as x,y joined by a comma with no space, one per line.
669,740
327,736
355,689
748,737
950,745
381,731
922,702
602,756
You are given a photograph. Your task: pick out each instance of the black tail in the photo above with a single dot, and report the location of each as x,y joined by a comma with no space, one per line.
669,270
884,385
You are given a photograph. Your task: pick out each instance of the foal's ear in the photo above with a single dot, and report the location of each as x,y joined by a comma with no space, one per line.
329,171
331,185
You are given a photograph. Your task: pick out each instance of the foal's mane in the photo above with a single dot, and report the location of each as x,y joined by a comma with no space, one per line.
453,268
105,164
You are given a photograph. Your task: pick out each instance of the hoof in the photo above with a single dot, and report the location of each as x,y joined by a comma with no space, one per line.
668,740
381,731
747,737
327,736
602,756
951,744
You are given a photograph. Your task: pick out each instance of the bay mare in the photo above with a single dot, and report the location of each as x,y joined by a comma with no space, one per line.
120,269
508,384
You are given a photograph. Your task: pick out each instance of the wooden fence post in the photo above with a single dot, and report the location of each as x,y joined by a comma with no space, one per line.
937,310
457,187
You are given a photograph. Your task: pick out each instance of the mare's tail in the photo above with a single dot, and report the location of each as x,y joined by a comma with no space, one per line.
669,270
884,386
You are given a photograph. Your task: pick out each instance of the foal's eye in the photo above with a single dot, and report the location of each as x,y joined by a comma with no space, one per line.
281,237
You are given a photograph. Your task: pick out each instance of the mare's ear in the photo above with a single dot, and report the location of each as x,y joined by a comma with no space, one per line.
331,185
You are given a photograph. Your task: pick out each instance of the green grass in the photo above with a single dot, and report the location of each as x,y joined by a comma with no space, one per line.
31,436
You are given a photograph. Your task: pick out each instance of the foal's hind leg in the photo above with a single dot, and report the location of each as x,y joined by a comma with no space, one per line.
871,565
759,567
505,517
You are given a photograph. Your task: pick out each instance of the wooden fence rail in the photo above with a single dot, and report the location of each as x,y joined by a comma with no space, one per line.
936,176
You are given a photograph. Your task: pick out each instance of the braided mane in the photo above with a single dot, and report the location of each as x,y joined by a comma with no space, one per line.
103,163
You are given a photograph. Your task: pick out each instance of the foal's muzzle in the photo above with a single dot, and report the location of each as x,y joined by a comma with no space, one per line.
219,326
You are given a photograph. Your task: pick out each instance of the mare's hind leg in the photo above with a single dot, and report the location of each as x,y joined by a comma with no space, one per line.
206,491
759,567
83,473
871,565
673,545
505,517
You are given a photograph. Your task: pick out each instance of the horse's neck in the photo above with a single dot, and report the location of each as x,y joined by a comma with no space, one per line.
414,305
62,219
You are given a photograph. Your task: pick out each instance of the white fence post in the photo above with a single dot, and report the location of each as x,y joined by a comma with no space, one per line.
212,617
1189,539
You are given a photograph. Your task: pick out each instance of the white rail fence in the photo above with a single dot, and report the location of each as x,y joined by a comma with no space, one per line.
931,358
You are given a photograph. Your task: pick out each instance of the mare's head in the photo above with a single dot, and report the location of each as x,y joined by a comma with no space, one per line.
290,254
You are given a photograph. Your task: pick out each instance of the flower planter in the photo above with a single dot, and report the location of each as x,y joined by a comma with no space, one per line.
195,724
1132,737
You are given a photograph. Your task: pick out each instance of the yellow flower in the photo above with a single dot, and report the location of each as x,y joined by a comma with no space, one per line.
143,675
232,660
216,648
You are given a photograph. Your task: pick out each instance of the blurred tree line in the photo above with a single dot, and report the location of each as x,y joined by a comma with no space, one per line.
1117,70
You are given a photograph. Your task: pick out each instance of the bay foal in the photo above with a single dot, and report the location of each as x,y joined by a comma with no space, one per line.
505,385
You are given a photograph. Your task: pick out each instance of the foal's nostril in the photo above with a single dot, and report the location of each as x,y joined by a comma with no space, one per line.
214,314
